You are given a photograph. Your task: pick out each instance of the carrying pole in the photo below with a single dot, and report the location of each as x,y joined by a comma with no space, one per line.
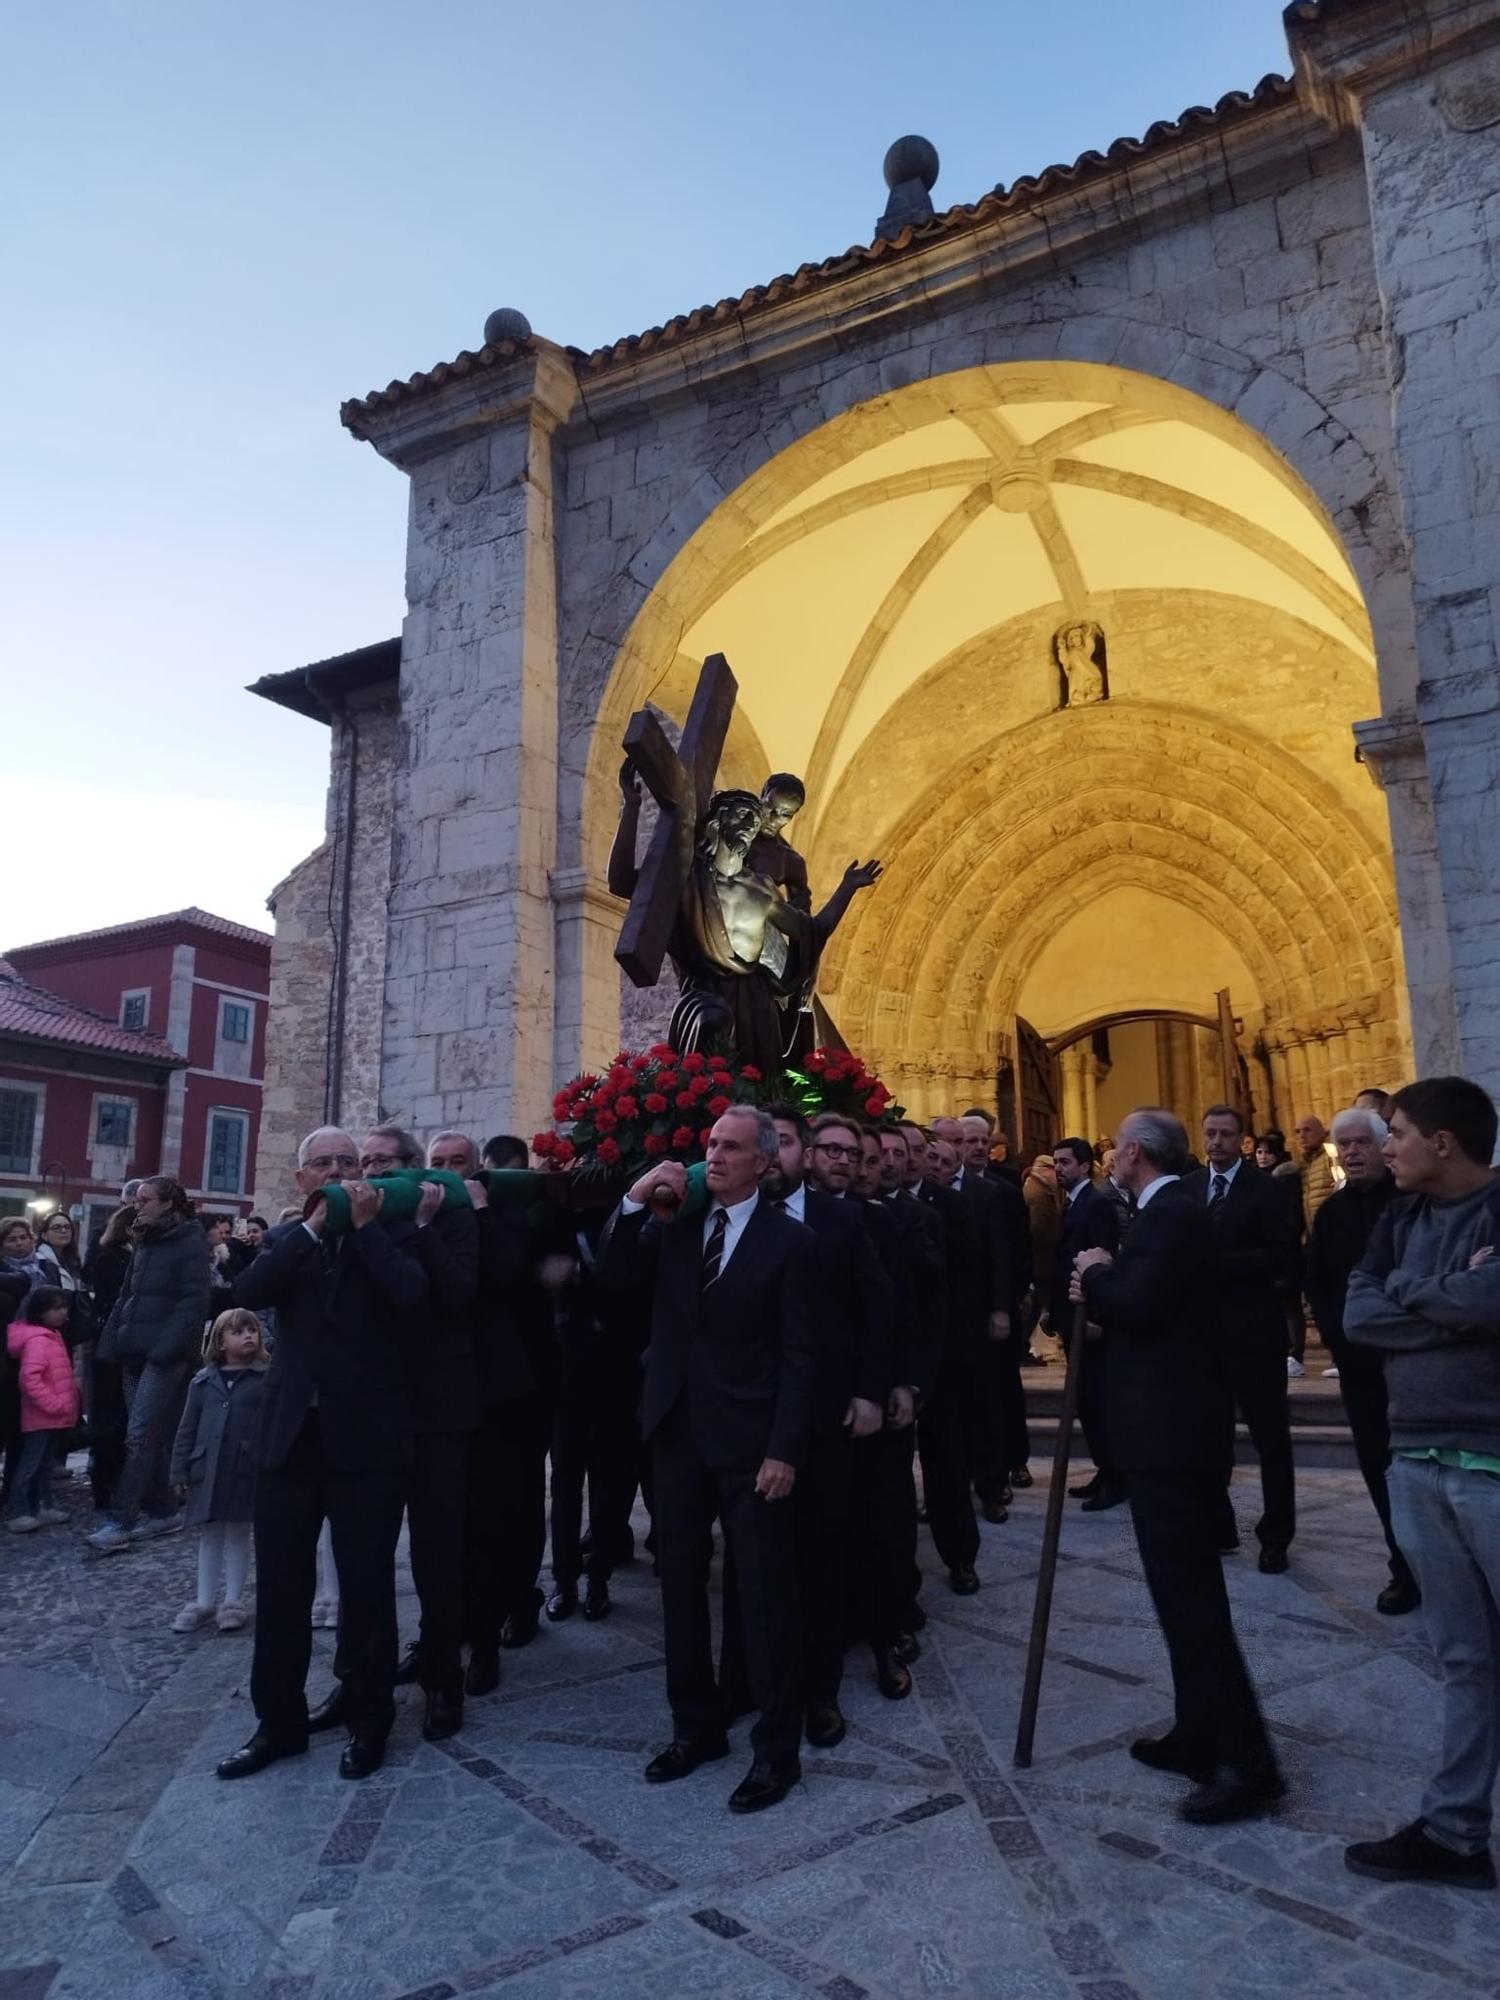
1057,1493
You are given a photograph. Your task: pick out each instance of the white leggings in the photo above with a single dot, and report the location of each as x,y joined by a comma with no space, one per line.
223,1551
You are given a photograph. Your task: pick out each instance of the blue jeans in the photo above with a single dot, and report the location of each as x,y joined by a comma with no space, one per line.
31,1487
1447,1523
154,1398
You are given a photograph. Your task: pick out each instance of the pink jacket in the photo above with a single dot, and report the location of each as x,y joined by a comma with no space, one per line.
49,1395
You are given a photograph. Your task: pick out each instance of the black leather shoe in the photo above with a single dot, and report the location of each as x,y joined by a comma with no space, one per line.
521,1627
1230,1546
763,1785
1020,1477
1231,1796
1101,1501
363,1756
891,1677
993,1512
1399,1596
483,1676
263,1748
409,1667
682,1757
962,1581
443,1716
596,1599
826,1727
562,1603
907,1647
330,1712
1412,1855
1164,1753
1088,1489
1273,1562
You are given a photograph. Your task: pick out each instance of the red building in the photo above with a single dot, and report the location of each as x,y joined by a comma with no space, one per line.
177,1001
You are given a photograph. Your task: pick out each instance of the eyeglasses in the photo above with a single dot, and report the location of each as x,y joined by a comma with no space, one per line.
325,1162
836,1152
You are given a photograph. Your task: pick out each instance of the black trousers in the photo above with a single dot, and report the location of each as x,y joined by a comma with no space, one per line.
1362,1387
1006,1442
1091,1419
943,1448
882,1537
688,1496
1218,1716
364,1510
1256,1369
595,1437
436,1498
505,1522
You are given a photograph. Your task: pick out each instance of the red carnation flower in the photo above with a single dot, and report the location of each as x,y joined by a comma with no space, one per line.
668,1080
750,1074
606,1121
684,1136
693,1063
655,1144
543,1144
718,1105
817,1062
874,1105
609,1153
701,1085
656,1104
685,1100
718,1062
563,1151
663,1051
638,1063
627,1107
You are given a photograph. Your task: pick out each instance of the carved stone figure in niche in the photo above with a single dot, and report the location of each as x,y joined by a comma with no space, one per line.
1083,668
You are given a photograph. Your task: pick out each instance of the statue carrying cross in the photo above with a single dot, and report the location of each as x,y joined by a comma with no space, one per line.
712,891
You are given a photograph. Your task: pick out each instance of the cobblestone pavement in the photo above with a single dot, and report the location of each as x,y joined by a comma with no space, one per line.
528,1859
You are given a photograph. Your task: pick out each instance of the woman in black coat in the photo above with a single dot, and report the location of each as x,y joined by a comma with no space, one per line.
155,1332
104,1272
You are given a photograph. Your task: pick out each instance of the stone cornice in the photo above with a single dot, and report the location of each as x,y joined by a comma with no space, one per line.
1391,748
525,384
1346,53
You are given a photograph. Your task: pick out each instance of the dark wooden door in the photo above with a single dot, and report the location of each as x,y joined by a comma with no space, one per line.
1034,1105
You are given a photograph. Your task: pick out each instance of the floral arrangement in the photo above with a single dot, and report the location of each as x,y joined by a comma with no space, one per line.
662,1105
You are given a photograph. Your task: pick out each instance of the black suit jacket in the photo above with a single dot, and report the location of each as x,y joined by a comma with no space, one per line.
342,1330
1257,1254
514,1339
440,1361
1164,1399
895,1251
1091,1221
745,1354
854,1310
970,1274
1004,1231
925,1242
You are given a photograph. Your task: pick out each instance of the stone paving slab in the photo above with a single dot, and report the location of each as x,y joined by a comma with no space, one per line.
527,1858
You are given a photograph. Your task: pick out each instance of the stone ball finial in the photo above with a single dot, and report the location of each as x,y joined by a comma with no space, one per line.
912,159
505,323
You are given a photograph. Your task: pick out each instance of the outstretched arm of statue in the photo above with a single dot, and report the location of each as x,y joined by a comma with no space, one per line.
858,875
622,868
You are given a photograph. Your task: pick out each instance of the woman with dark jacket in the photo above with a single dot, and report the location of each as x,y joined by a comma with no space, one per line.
104,1272
155,1332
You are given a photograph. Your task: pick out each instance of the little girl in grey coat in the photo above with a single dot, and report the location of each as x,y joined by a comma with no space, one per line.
214,1463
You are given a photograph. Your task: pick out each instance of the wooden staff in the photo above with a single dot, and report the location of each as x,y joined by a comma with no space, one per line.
1057,1493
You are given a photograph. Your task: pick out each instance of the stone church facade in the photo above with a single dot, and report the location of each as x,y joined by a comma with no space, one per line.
1227,396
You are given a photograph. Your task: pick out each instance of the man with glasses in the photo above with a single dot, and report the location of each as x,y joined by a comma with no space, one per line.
335,1443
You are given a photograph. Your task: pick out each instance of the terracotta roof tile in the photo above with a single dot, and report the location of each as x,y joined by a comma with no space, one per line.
34,1014
1020,194
201,920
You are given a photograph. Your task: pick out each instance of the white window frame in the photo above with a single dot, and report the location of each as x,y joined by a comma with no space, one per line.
137,993
228,1000
226,1111
38,1091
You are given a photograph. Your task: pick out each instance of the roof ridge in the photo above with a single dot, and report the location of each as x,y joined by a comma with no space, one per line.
190,914
16,990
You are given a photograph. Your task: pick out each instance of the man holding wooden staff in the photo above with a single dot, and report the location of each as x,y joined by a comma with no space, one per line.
1165,1409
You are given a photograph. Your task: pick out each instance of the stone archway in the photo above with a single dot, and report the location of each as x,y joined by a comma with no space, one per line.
888,589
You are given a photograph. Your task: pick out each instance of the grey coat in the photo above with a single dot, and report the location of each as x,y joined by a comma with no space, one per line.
214,1454
163,1302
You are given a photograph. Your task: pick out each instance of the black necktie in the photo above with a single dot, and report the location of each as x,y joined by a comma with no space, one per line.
780,1206
713,1249
1220,1189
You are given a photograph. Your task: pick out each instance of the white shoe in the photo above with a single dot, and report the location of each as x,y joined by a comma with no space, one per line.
232,1617
1294,1368
191,1617
23,1524
54,1517
1330,1374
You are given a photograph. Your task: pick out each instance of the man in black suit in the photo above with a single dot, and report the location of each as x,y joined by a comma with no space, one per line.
335,1443
1256,1259
810,1182
730,1392
1000,1444
903,1153
1091,1221
1165,1407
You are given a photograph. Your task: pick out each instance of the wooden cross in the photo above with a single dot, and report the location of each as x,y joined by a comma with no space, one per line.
682,783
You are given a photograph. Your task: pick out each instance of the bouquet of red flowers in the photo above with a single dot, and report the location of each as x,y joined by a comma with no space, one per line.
656,1106
837,1080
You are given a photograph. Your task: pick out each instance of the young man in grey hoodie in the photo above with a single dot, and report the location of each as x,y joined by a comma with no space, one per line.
1428,1297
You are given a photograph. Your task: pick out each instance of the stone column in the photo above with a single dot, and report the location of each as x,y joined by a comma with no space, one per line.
1421,84
1299,1083
1090,1126
587,1025
1279,1111
470,1037
1075,1110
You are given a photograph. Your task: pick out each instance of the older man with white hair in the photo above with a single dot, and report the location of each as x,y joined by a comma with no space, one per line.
1340,1234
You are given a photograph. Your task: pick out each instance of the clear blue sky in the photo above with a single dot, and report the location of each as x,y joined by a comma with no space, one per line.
223,219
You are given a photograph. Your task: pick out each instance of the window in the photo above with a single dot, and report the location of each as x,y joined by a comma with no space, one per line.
112,1121
235,1026
226,1152
17,1130
134,1008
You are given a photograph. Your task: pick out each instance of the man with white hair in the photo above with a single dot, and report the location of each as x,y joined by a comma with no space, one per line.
1340,1235
1166,1411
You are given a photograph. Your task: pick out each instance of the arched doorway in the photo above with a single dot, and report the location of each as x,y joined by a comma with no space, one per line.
891,591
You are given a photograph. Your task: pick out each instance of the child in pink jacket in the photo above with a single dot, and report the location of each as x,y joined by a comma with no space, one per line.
49,1406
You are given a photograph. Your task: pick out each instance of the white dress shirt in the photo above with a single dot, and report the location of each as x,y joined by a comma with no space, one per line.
1149,1191
1226,1174
795,1203
739,1214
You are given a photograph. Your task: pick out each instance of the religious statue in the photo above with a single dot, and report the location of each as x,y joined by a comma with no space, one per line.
721,891
1079,647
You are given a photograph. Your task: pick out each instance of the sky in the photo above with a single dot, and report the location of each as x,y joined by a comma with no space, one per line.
223,220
